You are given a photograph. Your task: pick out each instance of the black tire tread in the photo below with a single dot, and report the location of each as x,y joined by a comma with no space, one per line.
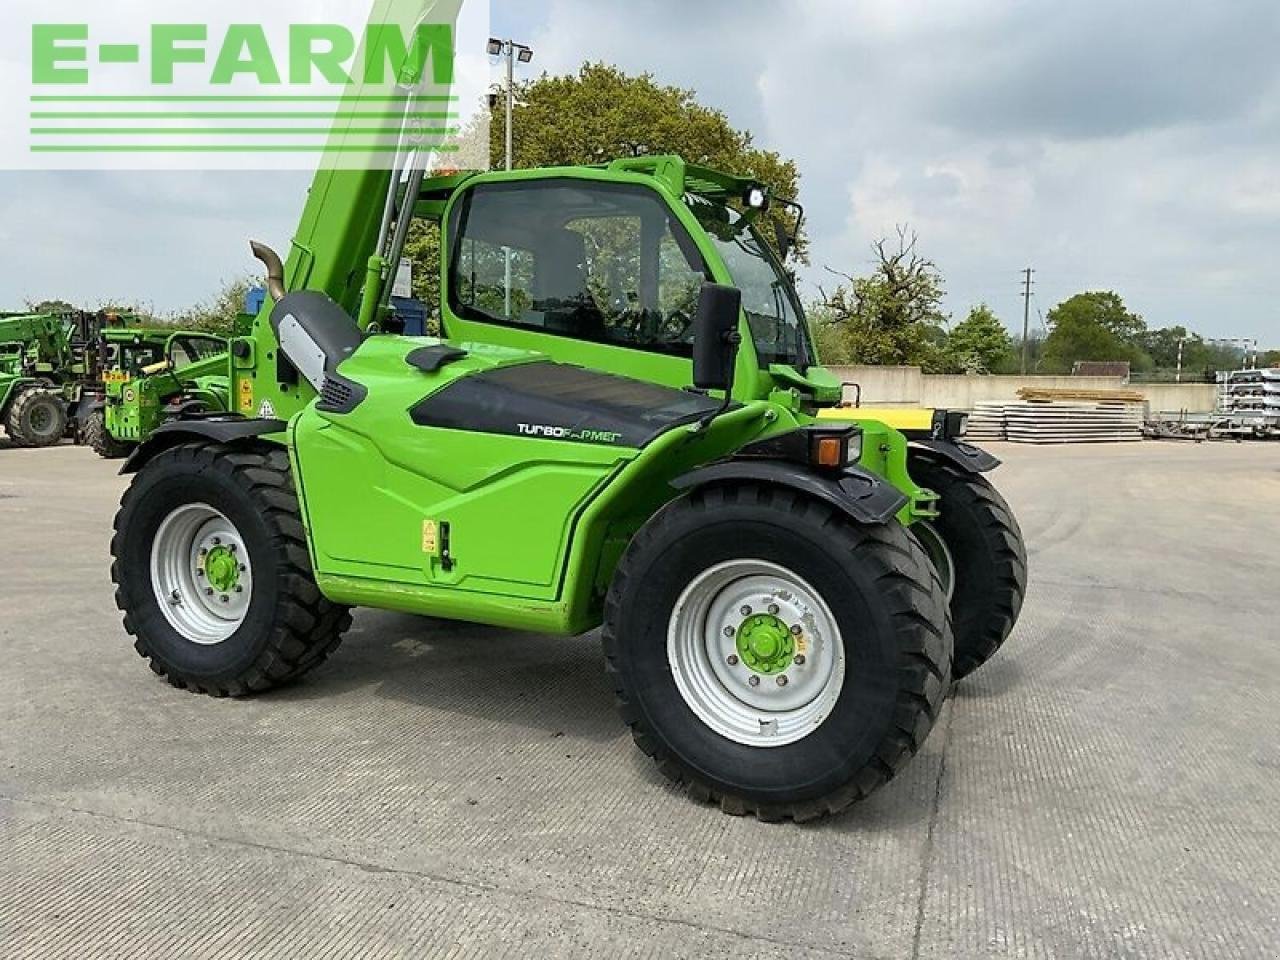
980,633
99,438
16,416
919,611
307,628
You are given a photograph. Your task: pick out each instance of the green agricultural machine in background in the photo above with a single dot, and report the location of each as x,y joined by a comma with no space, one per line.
43,359
148,376
619,428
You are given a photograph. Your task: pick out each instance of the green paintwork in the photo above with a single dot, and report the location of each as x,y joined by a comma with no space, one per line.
134,400
534,527
39,349
765,643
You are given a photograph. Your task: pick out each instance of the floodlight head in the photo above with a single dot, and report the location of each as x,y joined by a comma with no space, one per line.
495,47
524,54
757,198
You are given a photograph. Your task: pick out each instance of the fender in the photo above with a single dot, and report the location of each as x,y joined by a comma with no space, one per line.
857,493
963,455
224,428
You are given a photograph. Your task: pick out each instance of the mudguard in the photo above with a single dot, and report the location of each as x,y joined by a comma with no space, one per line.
963,455
858,493
221,428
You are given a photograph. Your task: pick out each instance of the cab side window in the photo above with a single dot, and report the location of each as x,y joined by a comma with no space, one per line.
595,261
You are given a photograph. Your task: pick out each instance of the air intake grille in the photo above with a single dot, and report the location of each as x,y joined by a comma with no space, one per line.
335,393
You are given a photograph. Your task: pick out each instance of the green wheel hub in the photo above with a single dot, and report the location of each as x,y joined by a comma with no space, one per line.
765,643
222,569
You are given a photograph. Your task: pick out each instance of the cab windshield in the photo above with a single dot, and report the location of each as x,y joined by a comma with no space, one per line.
768,296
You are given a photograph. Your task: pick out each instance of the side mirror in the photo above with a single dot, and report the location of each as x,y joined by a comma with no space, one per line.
716,336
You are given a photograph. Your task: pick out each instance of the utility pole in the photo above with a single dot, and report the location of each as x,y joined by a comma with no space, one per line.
511,51
1026,315
1181,341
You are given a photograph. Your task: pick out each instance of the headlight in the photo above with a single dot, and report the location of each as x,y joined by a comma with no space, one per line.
835,449
757,198
957,424
829,448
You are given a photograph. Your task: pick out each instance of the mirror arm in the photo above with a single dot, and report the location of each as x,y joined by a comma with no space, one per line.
732,338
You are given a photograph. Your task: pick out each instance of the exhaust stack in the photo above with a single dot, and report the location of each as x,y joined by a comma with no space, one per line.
275,269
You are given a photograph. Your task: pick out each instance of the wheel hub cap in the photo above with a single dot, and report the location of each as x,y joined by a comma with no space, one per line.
222,569
765,644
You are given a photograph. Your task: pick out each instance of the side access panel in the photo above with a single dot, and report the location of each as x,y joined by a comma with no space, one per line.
470,475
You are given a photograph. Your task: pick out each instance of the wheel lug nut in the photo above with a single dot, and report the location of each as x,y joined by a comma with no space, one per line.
217,541
208,591
231,547
728,631
199,573
225,598
745,611
243,568
773,609
204,552
754,681
241,590
797,630
782,680
731,660
799,659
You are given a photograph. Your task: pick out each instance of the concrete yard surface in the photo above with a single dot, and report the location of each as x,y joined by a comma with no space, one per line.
1107,787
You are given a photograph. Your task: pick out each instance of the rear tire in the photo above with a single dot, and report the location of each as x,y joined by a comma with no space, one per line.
228,645
97,436
988,559
37,418
890,636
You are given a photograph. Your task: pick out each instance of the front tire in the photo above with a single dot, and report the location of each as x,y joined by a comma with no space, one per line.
97,436
212,571
37,418
982,546
706,619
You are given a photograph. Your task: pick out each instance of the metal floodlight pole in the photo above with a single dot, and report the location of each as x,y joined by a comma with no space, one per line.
509,49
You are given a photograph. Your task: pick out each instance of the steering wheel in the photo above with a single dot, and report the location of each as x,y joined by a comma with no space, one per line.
675,327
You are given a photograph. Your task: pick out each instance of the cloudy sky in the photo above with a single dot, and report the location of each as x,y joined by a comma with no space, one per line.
1124,146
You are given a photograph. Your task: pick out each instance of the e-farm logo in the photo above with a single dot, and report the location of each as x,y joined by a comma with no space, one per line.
325,51
262,94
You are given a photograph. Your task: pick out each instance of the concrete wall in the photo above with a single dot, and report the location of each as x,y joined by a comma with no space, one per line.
908,387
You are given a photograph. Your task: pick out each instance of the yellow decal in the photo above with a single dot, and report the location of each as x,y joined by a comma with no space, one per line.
430,537
246,395
802,644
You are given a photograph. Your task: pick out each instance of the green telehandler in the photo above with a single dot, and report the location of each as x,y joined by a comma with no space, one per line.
619,428
42,359
148,376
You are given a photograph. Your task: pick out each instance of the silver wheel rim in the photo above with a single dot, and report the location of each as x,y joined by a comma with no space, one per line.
939,554
203,605
703,652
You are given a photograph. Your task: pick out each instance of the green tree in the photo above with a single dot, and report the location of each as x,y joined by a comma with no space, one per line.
601,113
979,343
1094,325
218,314
598,114
892,317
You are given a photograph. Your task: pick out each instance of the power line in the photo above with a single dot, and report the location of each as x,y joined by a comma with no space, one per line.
1026,314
